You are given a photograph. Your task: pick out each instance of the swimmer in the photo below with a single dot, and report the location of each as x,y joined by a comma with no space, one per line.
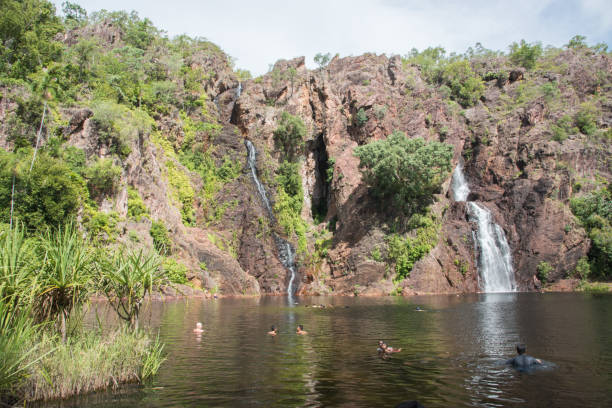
389,349
198,329
522,360
418,309
273,331
300,330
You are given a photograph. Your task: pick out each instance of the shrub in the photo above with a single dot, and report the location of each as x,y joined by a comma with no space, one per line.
102,177
289,135
47,196
136,207
544,269
466,87
161,239
562,128
405,251
525,54
361,118
408,170
289,201
182,192
175,271
585,119
583,268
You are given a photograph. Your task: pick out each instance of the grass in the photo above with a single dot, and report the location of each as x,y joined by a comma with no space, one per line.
91,362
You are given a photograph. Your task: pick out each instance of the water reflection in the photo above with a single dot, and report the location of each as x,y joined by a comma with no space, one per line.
451,353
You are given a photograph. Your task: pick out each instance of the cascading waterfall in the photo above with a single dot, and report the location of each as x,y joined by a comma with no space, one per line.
495,257
239,90
286,252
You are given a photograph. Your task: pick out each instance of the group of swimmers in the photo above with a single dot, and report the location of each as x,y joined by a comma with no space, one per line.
299,330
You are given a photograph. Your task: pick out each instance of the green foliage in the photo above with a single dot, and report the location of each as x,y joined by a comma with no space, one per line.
409,171
376,255
47,196
182,191
462,266
289,201
289,135
577,42
594,210
101,226
136,207
74,15
65,275
102,177
243,75
583,268
525,54
119,126
562,128
174,270
361,118
127,279
466,87
406,250
28,29
330,169
322,59
543,271
161,239
585,119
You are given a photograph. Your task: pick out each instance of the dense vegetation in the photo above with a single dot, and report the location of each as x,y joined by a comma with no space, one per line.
45,282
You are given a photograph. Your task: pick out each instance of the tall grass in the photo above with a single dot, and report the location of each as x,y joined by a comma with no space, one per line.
17,277
18,349
90,362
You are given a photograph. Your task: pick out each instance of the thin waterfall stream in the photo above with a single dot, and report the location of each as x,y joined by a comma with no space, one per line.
286,252
494,254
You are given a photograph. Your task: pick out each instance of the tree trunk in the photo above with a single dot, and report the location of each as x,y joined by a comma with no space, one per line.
63,325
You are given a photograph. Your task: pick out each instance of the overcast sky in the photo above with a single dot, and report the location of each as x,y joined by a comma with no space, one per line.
259,32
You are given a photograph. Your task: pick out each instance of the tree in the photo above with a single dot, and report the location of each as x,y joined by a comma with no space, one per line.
290,134
47,196
74,15
525,54
409,171
291,73
466,87
27,33
322,59
577,41
126,281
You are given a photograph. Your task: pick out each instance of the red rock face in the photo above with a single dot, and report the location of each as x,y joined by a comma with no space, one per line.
512,165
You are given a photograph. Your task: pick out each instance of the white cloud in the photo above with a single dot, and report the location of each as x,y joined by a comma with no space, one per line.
257,33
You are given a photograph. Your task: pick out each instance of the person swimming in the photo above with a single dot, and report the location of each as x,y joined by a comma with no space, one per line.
198,329
273,331
300,330
522,361
418,309
388,349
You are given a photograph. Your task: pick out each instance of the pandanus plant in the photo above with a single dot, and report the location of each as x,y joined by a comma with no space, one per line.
17,279
126,281
66,275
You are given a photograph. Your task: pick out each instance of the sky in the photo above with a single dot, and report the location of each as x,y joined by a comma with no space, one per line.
256,33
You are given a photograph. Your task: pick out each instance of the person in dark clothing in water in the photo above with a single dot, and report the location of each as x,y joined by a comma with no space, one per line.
522,361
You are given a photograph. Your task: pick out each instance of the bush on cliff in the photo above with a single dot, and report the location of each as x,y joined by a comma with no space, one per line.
289,135
525,54
408,171
594,210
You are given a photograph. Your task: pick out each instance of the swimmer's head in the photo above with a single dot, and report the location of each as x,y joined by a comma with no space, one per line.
198,325
380,342
520,348
300,327
272,328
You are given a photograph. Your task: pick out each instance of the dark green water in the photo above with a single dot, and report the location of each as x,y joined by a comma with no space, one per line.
452,353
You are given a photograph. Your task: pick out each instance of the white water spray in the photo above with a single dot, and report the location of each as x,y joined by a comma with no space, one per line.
286,252
239,90
494,254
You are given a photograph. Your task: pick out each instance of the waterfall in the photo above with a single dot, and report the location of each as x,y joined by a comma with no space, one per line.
459,185
239,90
495,257
286,252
